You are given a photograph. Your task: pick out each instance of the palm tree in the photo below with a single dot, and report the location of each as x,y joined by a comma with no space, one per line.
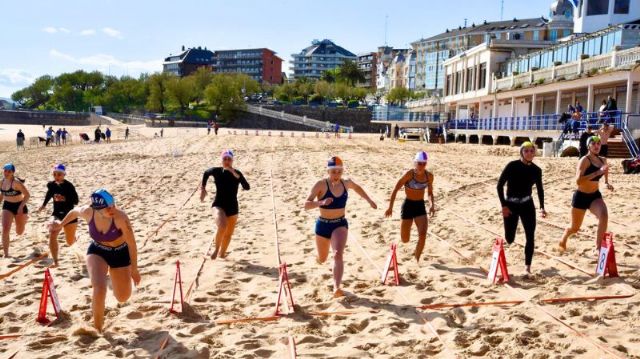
350,73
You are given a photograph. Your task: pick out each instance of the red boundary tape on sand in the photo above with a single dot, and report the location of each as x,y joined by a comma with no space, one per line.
24,265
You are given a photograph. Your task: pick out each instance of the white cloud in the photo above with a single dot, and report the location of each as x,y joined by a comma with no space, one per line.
112,32
53,30
88,32
105,62
15,77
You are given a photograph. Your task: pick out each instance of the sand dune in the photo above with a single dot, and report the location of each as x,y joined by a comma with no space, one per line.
153,180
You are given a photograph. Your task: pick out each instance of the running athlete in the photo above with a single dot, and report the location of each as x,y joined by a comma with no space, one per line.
416,182
227,179
520,176
15,196
588,173
332,227
64,197
112,250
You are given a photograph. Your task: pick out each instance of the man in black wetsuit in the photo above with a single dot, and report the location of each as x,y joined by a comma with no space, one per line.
227,179
64,197
520,176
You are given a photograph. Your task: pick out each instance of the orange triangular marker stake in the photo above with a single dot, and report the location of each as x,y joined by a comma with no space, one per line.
498,260
284,285
177,282
391,264
48,291
607,258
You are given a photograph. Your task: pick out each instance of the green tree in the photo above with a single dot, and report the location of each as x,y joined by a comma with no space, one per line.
35,95
158,95
331,75
202,77
350,73
398,95
323,90
181,92
125,95
304,88
342,91
285,92
225,93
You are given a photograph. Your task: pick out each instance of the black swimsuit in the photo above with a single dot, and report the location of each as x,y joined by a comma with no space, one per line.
226,188
583,200
12,206
61,208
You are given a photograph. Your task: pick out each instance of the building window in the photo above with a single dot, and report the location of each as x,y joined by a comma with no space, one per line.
621,7
536,35
597,7
554,35
483,76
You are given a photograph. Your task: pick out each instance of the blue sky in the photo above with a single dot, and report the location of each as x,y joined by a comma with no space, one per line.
130,37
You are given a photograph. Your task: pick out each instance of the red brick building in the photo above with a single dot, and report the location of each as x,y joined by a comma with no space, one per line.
261,64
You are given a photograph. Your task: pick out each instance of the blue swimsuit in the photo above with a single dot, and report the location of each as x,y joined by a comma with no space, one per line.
324,226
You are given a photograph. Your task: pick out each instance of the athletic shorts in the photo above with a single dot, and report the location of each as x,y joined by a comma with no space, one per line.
325,227
60,216
116,257
230,208
412,209
583,200
13,207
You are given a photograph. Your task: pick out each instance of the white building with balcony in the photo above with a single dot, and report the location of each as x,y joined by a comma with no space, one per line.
321,56
593,15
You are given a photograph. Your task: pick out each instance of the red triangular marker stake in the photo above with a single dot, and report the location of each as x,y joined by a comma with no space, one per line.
607,258
498,261
284,285
48,291
177,283
391,264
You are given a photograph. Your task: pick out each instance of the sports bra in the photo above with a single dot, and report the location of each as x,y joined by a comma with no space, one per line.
111,235
11,192
417,185
592,169
338,202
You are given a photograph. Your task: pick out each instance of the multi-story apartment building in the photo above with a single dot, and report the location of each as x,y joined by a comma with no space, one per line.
321,56
368,64
261,64
386,56
188,61
432,52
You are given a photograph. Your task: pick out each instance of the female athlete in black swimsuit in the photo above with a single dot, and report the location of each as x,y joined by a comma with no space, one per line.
590,169
332,227
416,182
520,176
15,196
64,197
227,179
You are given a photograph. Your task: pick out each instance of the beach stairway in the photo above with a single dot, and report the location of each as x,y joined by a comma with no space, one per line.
301,120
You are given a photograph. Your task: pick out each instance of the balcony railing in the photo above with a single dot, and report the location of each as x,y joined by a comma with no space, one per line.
391,113
615,59
535,123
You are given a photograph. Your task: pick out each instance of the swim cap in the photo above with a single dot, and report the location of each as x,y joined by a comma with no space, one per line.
334,162
59,168
227,153
593,139
421,157
9,167
101,199
526,144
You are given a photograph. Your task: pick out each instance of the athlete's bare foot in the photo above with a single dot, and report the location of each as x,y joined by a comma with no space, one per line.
223,255
338,293
562,247
527,269
416,255
215,254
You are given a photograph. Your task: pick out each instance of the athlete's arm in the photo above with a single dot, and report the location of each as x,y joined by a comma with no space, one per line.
401,182
506,174
73,194
311,203
203,184
432,208
83,212
25,195
243,182
361,192
606,175
122,222
47,197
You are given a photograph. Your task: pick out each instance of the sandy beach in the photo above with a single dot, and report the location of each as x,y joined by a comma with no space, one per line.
153,180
